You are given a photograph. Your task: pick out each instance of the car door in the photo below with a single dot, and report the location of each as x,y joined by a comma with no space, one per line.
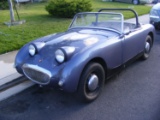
133,44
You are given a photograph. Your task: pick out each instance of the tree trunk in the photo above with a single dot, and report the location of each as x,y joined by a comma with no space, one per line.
11,11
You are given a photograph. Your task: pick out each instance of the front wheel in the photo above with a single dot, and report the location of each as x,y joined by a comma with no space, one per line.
147,47
91,82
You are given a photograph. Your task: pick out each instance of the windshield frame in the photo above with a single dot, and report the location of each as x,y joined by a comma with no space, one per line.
97,14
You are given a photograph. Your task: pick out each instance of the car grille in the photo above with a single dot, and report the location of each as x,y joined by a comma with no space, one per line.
36,74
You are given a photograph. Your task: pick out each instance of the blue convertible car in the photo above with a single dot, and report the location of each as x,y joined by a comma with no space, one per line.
95,46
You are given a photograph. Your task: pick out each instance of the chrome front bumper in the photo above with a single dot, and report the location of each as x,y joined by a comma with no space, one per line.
37,74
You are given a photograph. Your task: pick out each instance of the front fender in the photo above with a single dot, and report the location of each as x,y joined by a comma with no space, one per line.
20,58
71,73
73,69
110,51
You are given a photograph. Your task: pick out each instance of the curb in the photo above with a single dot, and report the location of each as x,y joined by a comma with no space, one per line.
12,83
9,78
13,87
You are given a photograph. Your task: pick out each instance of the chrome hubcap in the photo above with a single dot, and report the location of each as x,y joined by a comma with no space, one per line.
147,47
93,82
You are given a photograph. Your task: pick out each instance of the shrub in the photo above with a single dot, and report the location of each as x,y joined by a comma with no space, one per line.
67,8
4,4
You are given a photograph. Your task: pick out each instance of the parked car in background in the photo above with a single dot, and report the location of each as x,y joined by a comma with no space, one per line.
95,47
155,16
155,1
21,1
135,2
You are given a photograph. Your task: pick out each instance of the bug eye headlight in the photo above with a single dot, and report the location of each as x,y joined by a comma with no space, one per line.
60,56
32,50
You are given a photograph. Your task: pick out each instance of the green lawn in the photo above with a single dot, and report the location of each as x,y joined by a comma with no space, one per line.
40,23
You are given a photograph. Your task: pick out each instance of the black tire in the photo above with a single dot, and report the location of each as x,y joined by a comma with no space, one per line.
135,2
147,47
87,91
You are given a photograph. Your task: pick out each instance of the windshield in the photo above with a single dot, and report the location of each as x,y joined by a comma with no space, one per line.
113,21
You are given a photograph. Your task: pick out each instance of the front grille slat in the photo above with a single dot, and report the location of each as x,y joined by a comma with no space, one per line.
37,74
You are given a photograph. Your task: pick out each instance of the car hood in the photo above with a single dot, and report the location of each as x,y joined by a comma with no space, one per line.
77,38
74,42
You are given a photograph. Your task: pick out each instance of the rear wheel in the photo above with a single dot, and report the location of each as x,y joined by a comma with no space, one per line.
135,2
147,47
91,82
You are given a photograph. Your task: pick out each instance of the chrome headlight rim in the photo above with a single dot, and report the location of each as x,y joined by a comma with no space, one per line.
32,49
60,55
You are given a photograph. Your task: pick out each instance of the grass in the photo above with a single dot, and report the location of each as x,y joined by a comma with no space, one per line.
39,23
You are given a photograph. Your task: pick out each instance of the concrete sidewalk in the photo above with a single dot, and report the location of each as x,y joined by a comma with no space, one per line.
11,82
7,70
